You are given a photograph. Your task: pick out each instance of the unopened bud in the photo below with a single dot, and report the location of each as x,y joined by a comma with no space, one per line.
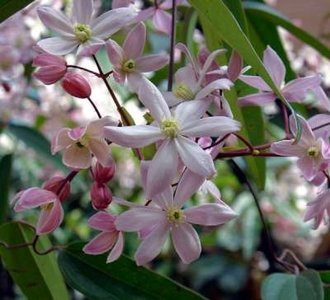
103,174
76,85
101,196
58,186
52,68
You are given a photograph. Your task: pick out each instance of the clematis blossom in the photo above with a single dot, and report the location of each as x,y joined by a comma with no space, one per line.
79,144
128,61
51,215
293,91
174,131
313,153
166,216
110,237
82,30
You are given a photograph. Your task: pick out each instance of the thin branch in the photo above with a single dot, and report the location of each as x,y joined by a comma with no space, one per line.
95,107
84,69
173,33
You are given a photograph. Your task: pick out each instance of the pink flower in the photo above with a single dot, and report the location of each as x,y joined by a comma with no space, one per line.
109,238
175,131
319,209
313,152
52,68
121,3
80,144
76,85
101,195
166,216
83,30
294,91
103,174
128,61
51,215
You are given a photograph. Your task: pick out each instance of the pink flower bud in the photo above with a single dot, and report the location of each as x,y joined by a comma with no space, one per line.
52,68
103,174
101,195
56,186
76,85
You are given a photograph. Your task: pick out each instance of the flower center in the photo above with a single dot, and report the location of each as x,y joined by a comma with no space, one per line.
313,152
82,32
175,215
182,91
170,128
47,206
83,141
129,66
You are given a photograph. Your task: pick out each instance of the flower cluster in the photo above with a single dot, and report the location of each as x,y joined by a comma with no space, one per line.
189,127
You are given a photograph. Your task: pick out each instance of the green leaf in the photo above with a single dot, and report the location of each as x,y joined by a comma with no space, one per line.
272,15
325,277
226,28
5,173
9,7
306,286
121,279
250,117
38,276
37,141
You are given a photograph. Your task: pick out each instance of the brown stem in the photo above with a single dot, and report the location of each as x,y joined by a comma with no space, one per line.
173,33
95,107
84,69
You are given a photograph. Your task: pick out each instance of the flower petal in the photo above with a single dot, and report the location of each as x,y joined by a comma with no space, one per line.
134,42
77,157
153,100
102,221
117,249
103,242
133,136
163,169
61,140
194,157
186,242
258,99
95,128
190,110
212,214
50,218
100,149
274,66
55,20
82,11
220,84
138,218
256,82
287,148
58,45
112,21
210,126
149,63
151,246
115,53
162,21
34,197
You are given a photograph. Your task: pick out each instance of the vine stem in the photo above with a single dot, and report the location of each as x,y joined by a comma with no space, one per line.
172,45
95,107
84,69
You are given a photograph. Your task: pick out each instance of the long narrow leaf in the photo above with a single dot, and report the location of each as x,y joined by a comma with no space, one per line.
5,172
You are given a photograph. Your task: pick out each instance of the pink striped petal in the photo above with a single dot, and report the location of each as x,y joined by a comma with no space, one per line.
149,63
186,242
212,214
102,221
163,169
308,167
82,11
77,157
274,66
34,197
257,99
210,126
117,249
112,21
50,218
134,42
133,136
58,45
55,20
115,53
103,242
151,246
194,157
162,21
286,148
256,82
220,84
138,218
190,110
